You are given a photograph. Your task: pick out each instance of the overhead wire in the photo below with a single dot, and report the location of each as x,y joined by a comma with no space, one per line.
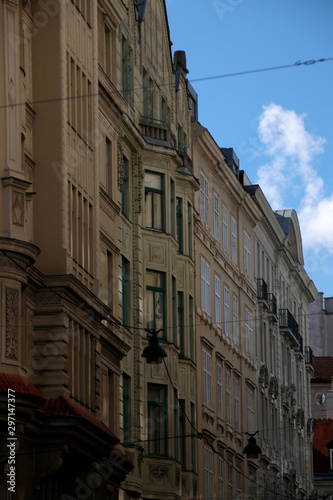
297,64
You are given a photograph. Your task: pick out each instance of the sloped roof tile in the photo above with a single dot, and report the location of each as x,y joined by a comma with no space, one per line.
323,368
20,385
323,434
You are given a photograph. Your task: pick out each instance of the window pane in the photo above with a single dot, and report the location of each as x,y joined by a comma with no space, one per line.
157,211
153,181
148,209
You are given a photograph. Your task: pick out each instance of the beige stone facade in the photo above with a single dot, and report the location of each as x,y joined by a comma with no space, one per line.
284,358
225,323
121,217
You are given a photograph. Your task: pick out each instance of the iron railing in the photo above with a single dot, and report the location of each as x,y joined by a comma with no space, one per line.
272,304
288,323
261,289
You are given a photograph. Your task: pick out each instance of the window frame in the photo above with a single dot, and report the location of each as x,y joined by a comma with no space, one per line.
155,444
217,291
155,192
206,378
205,286
204,198
216,216
233,236
160,290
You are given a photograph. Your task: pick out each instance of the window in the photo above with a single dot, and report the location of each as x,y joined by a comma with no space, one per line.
126,287
225,228
108,388
205,287
235,320
189,230
193,440
82,365
172,207
148,95
220,495
108,166
219,396
208,473
155,300
226,311
248,333
207,378
176,422
109,279
237,404
230,481
174,310
165,112
250,409
181,323
127,71
331,458
228,396
238,485
157,419
191,327
182,432
217,302
179,219
107,51
154,200
204,199
125,194
233,239
126,407
247,254
216,217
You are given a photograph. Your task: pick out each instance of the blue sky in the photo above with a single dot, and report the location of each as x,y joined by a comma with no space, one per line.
279,122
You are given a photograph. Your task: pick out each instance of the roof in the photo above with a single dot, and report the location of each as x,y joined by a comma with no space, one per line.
323,369
20,385
61,407
323,435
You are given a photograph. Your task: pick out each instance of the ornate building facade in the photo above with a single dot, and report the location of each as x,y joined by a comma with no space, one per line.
122,219
284,358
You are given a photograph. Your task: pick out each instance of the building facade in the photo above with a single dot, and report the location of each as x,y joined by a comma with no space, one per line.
97,246
284,358
225,322
122,220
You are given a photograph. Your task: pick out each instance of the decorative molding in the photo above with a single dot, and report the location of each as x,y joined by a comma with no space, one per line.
158,474
12,320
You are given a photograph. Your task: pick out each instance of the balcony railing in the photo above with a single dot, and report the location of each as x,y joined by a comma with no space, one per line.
308,355
272,304
158,130
262,289
289,326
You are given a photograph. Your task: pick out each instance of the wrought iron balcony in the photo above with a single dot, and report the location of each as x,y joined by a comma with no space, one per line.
262,289
272,304
157,130
289,327
308,353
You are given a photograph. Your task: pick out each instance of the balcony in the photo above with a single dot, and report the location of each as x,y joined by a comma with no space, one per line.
308,354
157,131
289,327
262,289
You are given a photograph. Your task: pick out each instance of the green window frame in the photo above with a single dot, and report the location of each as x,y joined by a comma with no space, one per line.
182,432
193,440
174,310
155,301
126,407
180,309
125,191
190,230
173,207
157,420
191,326
126,287
175,422
179,219
154,199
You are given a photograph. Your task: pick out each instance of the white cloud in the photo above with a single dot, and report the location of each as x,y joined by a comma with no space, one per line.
290,175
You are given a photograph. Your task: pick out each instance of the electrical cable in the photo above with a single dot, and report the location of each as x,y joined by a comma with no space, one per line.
297,64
